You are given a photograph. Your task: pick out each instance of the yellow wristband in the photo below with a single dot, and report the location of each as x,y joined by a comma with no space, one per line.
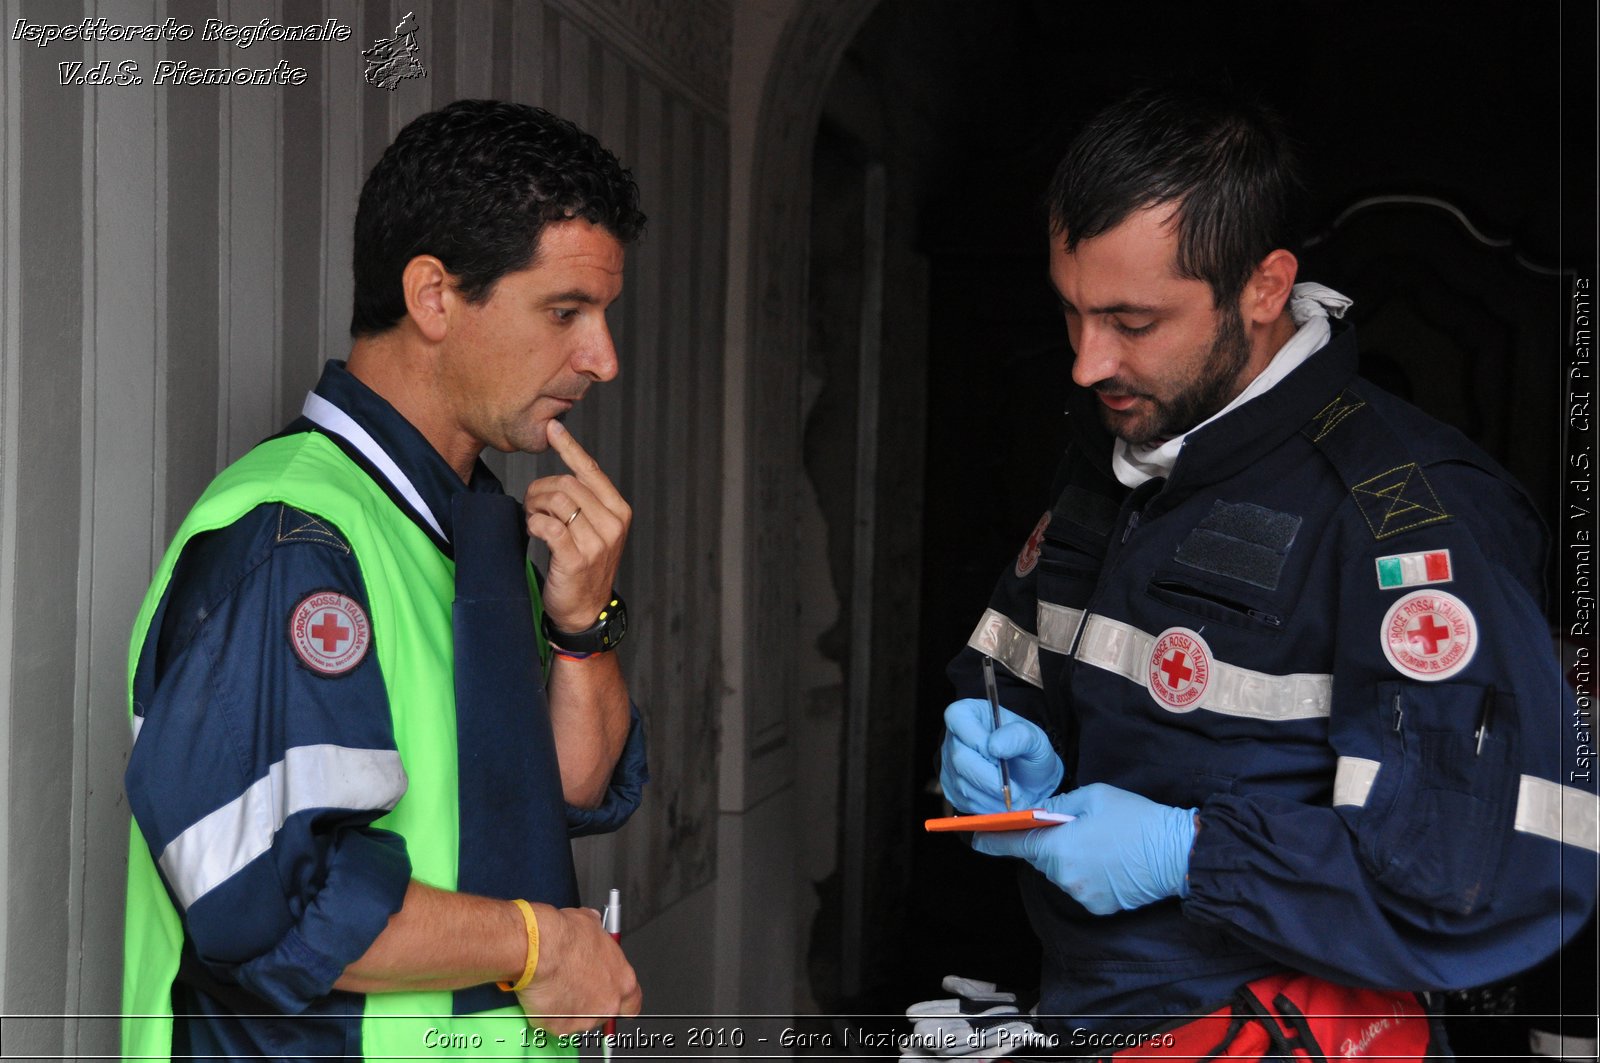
533,948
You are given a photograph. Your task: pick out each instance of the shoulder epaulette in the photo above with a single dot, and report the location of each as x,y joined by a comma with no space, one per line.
1388,485
296,525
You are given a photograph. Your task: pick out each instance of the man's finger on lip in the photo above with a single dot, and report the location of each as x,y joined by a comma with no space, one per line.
582,463
567,446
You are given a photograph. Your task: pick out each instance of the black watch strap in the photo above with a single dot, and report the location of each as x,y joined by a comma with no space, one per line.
602,635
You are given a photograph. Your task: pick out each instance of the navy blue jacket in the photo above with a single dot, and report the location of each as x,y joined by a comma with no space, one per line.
1302,632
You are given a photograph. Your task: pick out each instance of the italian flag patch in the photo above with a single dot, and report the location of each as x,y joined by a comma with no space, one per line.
1413,570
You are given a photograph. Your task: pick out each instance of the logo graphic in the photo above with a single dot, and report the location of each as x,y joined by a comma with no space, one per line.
330,633
392,60
1430,635
1179,669
1032,548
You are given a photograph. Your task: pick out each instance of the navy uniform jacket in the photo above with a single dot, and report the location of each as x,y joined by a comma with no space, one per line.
216,707
1302,632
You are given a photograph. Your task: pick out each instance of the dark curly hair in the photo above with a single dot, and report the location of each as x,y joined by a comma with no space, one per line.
1225,162
474,184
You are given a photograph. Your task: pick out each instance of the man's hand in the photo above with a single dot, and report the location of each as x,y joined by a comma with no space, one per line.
582,978
973,748
1122,851
584,520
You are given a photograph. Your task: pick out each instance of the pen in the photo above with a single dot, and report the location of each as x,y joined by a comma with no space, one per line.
1485,719
612,921
994,710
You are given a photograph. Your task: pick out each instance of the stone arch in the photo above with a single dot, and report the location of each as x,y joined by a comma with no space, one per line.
767,340
769,240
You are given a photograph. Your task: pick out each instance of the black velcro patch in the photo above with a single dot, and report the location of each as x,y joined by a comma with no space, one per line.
1094,512
1398,500
1242,541
298,526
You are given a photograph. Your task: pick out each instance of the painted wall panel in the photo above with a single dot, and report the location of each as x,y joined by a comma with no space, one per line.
378,20
435,41
475,52
251,252
500,45
44,551
10,298
118,503
192,146
527,52
301,176
342,174
442,53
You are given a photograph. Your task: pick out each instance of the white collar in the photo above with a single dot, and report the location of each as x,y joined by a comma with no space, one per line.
1310,306
330,418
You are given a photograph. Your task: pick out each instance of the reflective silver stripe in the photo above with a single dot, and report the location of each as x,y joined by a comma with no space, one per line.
1001,638
1352,781
1233,691
1559,1046
1058,625
138,724
320,411
1561,813
220,845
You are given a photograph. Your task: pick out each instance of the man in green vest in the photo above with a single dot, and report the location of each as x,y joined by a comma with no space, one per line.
364,727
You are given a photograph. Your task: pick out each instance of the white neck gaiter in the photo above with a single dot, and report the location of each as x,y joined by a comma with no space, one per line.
1310,306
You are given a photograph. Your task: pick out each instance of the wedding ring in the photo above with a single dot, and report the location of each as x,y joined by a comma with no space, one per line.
574,516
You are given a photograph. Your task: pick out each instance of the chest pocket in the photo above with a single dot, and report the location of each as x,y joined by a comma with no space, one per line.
1074,547
1228,569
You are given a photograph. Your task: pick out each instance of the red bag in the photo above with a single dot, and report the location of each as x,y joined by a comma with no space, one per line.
1295,1016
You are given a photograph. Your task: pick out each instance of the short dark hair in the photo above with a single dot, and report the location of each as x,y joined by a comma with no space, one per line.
474,184
1224,161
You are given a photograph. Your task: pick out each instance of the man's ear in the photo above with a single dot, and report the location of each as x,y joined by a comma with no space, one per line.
428,290
1267,292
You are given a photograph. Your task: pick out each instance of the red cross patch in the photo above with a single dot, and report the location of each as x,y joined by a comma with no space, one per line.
1429,635
1179,669
330,633
1033,547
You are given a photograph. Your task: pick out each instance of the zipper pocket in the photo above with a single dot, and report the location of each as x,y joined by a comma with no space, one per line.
1186,597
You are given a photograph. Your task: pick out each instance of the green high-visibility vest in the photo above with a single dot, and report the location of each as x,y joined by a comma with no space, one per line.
410,587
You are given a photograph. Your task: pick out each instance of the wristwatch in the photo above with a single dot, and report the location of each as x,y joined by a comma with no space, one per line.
602,635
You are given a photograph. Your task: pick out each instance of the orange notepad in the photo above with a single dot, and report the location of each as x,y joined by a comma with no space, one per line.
1023,819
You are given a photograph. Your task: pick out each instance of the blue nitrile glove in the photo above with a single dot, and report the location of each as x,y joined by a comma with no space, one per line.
969,769
1123,851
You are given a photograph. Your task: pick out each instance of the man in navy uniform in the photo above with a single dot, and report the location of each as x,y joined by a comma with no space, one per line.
1278,644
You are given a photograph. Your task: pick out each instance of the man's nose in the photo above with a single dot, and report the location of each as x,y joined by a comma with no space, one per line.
1094,354
597,358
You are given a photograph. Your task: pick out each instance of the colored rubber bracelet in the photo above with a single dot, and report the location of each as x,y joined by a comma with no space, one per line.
573,655
533,948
